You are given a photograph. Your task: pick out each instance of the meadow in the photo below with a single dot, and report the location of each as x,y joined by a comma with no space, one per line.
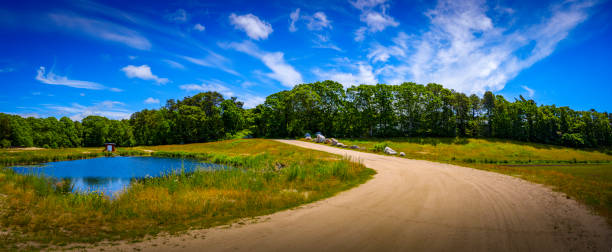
266,176
582,174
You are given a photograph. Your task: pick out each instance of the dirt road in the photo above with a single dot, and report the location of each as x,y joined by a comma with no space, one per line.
413,205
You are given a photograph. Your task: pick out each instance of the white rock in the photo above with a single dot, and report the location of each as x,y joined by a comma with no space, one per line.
402,154
309,138
354,147
334,142
390,151
320,138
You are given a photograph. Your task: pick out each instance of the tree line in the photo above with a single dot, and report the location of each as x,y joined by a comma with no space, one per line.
201,118
406,110
414,110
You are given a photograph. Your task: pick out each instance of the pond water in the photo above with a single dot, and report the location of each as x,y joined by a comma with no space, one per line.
112,174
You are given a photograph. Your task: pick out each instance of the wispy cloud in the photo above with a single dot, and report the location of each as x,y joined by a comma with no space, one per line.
374,15
254,27
360,74
214,86
101,29
179,16
151,100
53,79
281,71
213,60
250,100
294,17
142,72
110,109
382,53
7,70
530,92
199,27
466,51
174,64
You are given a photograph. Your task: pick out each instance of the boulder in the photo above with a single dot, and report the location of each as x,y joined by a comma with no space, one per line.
390,151
341,145
328,141
308,135
402,154
309,138
354,147
334,142
320,138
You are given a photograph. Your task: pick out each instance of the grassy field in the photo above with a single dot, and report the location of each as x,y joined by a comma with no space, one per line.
267,176
585,175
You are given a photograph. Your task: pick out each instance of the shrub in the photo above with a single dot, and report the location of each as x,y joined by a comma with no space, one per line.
380,147
573,139
5,143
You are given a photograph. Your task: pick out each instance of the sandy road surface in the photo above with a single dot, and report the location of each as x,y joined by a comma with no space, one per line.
413,205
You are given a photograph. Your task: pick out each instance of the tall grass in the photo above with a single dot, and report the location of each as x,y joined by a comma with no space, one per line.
487,151
254,183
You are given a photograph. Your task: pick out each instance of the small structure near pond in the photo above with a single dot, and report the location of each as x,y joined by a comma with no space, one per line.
110,147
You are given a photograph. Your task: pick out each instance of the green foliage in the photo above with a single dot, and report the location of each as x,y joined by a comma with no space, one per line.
413,110
380,147
5,143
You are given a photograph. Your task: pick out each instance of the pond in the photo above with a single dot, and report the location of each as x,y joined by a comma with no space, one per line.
112,174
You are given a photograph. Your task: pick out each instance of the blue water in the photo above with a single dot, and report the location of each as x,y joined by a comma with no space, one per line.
112,174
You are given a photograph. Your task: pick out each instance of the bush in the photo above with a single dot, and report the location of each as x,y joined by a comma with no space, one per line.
574,139
380,147
5,143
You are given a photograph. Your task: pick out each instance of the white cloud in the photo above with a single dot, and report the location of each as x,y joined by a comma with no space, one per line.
142,72
250,100
179,16
374,15
174,64
252,25
211,86
212,60
151,100
466,51
377,21
530,92
294,17
317,21
281,71
52,79
364,4
109,109
199,27
382,53
101,29
364,75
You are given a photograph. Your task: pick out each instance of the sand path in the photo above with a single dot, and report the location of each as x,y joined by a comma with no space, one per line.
413,205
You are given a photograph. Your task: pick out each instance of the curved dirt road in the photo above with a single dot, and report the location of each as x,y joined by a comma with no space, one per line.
413,205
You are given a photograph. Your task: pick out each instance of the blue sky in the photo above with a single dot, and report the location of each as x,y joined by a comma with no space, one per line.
112,58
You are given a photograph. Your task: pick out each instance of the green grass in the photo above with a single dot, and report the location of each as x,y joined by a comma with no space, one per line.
266,177
585,175
469,150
